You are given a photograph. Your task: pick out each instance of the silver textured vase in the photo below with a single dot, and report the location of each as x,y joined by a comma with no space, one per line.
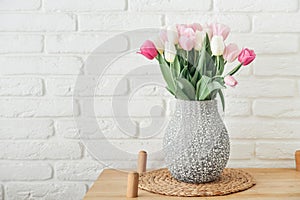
196,143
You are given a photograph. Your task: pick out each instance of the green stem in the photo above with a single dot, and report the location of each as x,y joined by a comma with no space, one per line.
187,58
232,72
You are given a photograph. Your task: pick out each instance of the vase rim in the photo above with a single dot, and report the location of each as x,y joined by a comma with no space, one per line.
203,101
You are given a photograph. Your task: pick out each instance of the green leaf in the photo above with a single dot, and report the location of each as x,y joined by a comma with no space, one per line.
195,78
222,99
176,66
181,95
206,44
183,73
206,65
167,74
220,65
203,89
198,89
214,85
186,87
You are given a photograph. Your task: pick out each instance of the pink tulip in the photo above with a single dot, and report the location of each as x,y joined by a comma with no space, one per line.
148,50
230,81
231,52
186,43
181,28
195,27
163,35
187,38
189,32
220,30
246,56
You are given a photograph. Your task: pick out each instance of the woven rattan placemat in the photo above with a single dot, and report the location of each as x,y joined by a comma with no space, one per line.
161,182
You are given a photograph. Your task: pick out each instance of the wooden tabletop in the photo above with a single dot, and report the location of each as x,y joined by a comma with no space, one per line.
272,184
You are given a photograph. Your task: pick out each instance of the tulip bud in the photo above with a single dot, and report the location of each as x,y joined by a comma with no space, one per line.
172,34
220,30
158,44
199,37
170,52
230,81
217,45
231,52
246,56
148,50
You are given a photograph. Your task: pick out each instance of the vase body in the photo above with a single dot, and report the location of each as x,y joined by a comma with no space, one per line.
196,143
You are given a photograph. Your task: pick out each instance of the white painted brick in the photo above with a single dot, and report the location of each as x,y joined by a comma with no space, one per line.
153,128
267,44
21,43
37,22
256,5
40,150
257,163
136,107
87,43
148,86
36,108
67,129
253,87
111,86
87,5
241,150
277,108
26,129
111,155
262,128
287,65
276,23
15,5
237,23
106,86
276,150
24,172
152,90
131,64
118,21
11,65
174,5
83,128
50,190
78,171
237,107
243,72
21,87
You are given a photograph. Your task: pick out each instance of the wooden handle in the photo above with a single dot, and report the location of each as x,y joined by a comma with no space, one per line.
142,162
297,159
132,185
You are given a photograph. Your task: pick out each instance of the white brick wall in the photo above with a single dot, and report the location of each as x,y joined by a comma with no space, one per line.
44,45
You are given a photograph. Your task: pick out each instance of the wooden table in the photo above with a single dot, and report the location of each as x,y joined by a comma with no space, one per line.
272,184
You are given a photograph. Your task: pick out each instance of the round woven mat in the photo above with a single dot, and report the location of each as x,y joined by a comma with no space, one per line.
161,182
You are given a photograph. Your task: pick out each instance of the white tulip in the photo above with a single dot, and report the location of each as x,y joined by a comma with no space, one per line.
172,34
159,45
217,45
200,35
170,52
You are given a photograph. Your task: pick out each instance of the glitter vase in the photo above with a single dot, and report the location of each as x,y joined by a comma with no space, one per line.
196,143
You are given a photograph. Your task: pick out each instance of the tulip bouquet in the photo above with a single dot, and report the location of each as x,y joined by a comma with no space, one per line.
192,59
